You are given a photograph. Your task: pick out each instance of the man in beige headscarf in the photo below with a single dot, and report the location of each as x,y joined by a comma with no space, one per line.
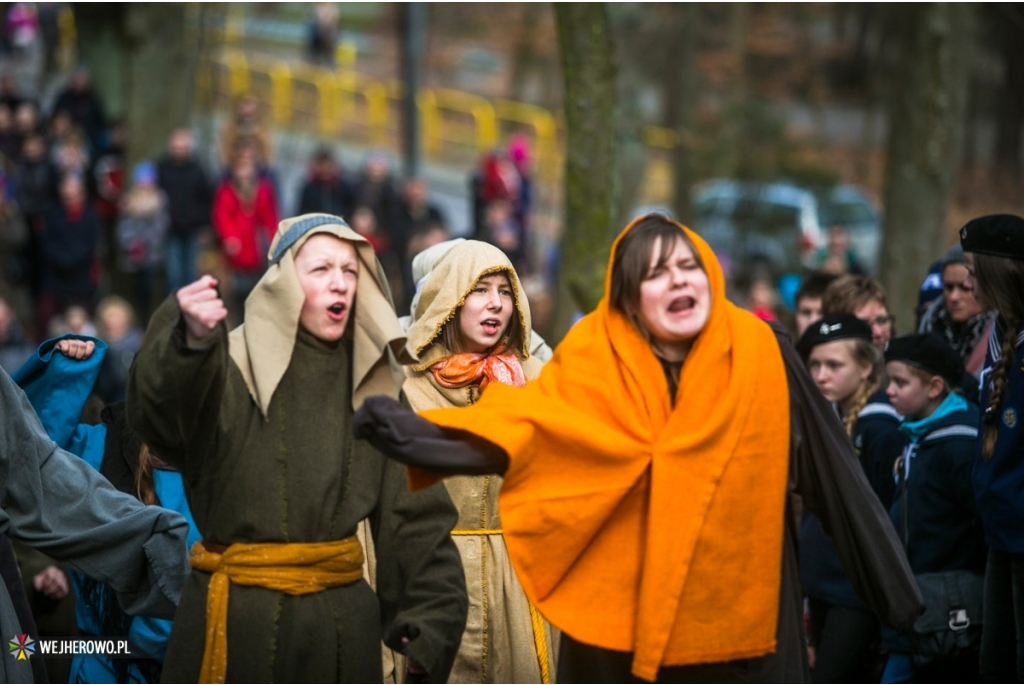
259,422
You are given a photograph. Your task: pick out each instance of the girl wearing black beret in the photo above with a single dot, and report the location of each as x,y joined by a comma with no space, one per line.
848,370
994,256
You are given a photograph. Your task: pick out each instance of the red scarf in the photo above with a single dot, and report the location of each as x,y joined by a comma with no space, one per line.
469,368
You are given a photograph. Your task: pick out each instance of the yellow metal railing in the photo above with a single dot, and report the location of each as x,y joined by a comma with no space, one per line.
238,72
68,38
346,103
281,93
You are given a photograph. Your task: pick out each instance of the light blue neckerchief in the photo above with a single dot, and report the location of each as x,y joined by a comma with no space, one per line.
916,430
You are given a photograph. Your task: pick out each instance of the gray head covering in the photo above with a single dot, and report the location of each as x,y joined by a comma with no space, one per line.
955,255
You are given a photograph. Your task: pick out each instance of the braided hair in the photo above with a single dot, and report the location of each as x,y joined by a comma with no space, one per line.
999,376
1000,284
863,352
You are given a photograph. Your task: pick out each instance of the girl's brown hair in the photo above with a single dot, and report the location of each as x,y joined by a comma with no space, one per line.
145,489
847,294
632,262
514,339
1000,282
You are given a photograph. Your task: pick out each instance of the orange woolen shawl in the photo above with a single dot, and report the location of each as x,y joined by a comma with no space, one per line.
634,526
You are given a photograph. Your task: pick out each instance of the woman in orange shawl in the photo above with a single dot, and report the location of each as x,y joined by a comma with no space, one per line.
647,475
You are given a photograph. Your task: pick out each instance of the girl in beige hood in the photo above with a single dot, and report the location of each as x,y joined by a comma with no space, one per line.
471,327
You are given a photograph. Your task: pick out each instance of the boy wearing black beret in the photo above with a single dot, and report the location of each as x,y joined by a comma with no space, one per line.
933,510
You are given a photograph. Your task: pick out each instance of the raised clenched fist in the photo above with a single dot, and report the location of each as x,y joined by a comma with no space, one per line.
201,308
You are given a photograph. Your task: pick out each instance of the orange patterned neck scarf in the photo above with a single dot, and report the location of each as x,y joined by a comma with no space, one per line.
469,368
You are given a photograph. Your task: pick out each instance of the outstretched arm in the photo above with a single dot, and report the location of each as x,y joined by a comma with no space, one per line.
401,434
59,505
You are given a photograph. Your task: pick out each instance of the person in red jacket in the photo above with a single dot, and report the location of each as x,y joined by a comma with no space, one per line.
245,217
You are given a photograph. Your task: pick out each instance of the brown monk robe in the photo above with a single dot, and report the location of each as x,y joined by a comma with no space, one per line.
259,423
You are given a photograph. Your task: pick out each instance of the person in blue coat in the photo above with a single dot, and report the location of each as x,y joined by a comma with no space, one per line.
933,509
994,256
58,380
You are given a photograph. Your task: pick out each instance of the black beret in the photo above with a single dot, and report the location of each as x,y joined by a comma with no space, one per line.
1001,235
831,328
929,352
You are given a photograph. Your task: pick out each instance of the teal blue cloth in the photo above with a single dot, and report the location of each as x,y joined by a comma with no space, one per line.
58,388
54,502
916,430
147,636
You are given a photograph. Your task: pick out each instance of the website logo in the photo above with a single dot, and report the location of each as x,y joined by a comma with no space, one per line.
22,647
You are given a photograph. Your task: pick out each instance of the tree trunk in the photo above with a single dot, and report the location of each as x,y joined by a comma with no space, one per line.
591,195
631,152
738,110
682,95
925,140
1010,109
160,79
101,49
141,68
525,56
143,73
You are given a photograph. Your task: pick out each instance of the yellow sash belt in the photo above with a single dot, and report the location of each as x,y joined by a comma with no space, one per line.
292,568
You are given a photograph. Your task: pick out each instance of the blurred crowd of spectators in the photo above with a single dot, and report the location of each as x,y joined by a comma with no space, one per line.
77,228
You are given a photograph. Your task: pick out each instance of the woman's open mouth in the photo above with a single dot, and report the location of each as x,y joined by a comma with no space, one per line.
681,305
336,312
491,326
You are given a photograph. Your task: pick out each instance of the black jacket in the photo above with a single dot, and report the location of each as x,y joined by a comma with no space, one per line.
878,443
942,530
189,198
328,196
69,251
86,111
36,186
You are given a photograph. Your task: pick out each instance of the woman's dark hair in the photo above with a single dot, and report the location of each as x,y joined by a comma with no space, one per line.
145,488
1000,282
632,261
514,339
814,285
